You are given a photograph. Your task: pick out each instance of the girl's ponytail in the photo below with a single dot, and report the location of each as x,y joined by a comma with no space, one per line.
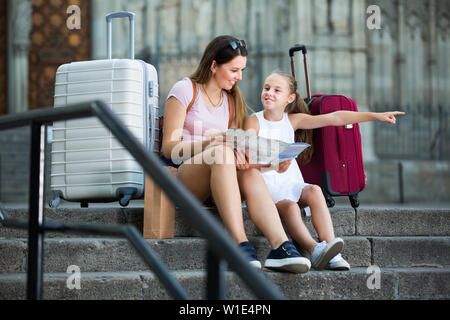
302,135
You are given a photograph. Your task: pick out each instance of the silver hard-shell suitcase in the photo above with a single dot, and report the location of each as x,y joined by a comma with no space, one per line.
88,163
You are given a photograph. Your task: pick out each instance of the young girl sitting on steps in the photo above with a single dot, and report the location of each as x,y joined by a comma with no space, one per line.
284,113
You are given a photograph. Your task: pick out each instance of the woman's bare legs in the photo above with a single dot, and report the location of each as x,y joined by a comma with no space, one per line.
260,206
218,179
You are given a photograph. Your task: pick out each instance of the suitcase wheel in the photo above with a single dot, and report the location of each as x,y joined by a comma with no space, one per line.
125,195
330,201
124,201
54,203
354,201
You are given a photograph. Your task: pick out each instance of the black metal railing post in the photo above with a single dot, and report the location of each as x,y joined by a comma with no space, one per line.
216,276
36,209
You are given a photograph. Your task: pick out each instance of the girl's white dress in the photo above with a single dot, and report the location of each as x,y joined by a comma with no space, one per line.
289,184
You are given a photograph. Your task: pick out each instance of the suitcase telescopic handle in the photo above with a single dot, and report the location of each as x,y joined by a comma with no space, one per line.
113,15
302,48
296,48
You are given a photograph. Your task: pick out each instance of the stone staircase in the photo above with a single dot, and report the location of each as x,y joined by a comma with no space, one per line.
394,254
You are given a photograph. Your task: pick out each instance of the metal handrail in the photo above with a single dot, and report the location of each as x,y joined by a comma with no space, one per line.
220,244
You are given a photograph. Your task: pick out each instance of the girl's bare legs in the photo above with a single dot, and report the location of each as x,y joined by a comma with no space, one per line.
291,214
261,208
312,196
219,179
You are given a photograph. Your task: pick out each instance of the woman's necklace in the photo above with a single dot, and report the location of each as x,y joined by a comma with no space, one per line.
210,101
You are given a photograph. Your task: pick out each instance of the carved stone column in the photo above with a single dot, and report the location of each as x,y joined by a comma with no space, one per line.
19,26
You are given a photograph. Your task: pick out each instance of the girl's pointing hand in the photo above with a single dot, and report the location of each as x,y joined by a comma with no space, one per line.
388,117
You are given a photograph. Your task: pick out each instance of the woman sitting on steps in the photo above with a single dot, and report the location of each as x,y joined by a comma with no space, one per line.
193,138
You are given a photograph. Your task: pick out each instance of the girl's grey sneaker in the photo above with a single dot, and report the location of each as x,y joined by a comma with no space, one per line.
323,252
338,263
251,254
286,258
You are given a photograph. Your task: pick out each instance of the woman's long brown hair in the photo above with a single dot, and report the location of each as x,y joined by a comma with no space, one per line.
220,50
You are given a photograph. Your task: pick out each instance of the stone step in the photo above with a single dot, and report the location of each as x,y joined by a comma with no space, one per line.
347,222
360,222
115,255
107,215
358,283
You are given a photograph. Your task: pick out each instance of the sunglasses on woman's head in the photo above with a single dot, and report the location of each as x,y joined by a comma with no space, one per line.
237,43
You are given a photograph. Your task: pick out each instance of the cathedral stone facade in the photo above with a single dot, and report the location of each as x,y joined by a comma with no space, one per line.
386,54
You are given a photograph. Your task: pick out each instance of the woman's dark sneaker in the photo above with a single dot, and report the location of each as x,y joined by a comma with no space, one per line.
286,258
251,254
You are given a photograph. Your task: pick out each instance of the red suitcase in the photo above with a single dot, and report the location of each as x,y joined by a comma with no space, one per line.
337,163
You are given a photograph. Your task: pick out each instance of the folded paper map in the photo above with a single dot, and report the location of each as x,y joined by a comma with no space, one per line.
262,150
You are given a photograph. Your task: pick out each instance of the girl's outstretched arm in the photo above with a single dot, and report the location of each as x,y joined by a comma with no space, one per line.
340,118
